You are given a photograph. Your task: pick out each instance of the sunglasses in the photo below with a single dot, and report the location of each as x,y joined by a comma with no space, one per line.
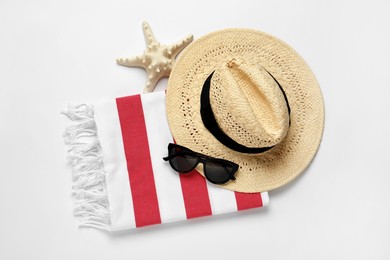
184,160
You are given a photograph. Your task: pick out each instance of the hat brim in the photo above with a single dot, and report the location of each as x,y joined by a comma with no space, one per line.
257,172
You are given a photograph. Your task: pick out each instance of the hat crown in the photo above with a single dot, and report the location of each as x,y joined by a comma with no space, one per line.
248,104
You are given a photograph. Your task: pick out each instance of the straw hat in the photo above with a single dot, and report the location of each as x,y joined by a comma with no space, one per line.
246,96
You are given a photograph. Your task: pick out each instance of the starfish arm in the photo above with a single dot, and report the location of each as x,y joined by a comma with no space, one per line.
157,59
151,83
174,49
137,61
148,35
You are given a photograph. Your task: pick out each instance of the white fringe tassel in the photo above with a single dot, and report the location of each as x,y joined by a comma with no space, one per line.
85,159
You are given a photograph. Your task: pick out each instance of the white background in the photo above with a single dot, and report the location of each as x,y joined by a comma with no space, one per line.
53,52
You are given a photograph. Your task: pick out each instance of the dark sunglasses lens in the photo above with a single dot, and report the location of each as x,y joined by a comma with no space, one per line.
218,172
183,162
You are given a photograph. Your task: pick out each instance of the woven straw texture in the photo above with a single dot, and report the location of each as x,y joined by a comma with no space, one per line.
293,153
260,114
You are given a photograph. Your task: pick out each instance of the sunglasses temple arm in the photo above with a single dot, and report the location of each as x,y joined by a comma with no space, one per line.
166,158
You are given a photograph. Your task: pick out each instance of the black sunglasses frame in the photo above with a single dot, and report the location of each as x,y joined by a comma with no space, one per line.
201,158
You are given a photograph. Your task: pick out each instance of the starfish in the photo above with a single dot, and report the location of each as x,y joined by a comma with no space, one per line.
157,59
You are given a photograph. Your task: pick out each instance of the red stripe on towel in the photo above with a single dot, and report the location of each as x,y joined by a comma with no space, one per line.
195,195
139,165
248,200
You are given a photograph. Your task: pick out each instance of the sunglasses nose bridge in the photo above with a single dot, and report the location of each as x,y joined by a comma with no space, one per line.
202,160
